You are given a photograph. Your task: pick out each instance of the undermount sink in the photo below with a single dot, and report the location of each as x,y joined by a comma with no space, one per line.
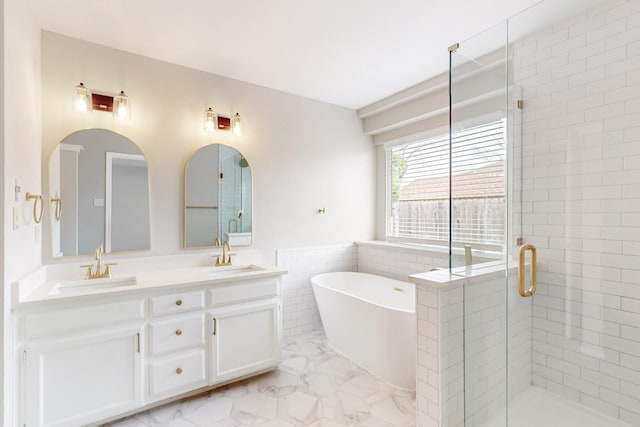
232,270
69,286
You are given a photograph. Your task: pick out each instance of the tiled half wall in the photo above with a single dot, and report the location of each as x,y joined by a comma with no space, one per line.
383,259
300,312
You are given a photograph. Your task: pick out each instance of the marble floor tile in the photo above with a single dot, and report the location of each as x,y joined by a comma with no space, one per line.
216,409
313,386
301,405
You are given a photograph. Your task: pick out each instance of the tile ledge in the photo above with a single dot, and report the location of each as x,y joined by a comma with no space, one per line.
459,276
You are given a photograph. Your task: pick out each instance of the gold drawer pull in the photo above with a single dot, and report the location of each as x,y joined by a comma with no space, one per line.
179,332
179,302
179,371
521,267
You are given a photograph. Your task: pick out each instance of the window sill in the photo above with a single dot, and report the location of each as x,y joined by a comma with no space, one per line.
479,255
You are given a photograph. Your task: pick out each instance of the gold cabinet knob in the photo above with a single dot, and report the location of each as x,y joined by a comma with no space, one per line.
179,371
179,302
179,332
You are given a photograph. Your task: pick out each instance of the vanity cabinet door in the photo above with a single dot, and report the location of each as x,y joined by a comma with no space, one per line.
75,381
245,339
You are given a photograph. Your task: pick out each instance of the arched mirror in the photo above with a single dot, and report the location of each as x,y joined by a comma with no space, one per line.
217,197
99,193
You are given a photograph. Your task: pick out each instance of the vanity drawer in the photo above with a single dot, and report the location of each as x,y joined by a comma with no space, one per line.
258,289
176,334
91,316
176,303
178,374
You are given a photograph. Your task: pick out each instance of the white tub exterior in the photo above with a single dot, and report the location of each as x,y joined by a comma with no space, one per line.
371,320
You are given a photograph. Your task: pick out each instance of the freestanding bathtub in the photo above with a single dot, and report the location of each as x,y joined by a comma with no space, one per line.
371,320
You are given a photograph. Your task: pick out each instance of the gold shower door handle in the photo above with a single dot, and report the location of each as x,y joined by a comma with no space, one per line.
521,268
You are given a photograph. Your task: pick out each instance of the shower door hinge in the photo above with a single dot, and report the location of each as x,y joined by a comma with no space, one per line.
454,47
520,104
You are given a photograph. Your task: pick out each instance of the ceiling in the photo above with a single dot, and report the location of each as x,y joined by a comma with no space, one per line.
345,52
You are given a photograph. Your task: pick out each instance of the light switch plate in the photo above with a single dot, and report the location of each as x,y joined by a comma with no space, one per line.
16,218
98,203
16,190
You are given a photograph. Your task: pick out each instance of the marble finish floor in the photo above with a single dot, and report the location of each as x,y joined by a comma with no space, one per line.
313,386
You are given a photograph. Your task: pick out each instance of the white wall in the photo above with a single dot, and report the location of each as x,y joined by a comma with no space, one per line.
304,154
581,204
22,136
20,252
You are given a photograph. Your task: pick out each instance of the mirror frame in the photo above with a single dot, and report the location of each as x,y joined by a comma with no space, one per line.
184,198
50,212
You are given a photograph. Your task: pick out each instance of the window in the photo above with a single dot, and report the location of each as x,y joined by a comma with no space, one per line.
418,188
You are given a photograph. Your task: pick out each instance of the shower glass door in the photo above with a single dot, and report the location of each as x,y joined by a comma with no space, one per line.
568,352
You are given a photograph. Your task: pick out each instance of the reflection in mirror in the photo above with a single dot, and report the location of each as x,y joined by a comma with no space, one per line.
217,197
102,181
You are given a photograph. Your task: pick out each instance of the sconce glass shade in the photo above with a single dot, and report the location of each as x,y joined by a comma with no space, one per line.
210,120
82,98
236,126
121,106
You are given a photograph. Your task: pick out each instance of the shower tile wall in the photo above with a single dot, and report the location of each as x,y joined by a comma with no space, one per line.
487,324
581,204
300,312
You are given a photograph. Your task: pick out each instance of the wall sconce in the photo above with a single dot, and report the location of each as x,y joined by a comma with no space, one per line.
210,120
236,126
214,122
119,105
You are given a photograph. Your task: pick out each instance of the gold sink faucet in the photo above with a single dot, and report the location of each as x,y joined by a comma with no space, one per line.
226,256
99,273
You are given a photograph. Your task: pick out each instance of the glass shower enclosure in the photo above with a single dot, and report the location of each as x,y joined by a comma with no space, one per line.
541,168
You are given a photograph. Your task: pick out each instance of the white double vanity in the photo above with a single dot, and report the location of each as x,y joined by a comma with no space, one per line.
95,340
139,331
160,328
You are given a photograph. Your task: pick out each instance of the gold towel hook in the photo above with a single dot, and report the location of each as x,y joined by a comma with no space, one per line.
58,210
521,268
36,197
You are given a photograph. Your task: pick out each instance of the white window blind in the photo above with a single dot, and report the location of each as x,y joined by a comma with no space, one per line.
418,196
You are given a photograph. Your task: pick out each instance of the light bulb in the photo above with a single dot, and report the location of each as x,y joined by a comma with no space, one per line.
81,104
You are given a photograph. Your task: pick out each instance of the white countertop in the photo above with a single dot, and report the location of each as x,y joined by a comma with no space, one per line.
152,273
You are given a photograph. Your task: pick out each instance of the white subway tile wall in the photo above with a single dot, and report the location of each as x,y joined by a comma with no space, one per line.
487,324
439,371
581,204
445,334
398,262
300,311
